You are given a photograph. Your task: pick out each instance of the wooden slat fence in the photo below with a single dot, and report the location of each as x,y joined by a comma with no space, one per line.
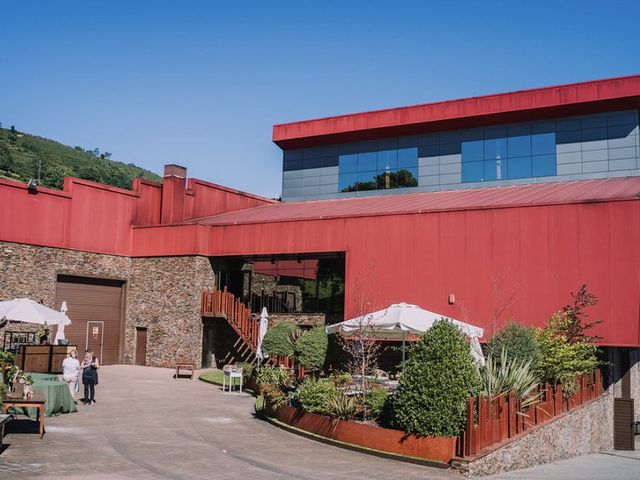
490,422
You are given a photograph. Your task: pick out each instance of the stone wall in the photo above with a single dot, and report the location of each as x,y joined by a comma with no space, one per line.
164,297
587,429
162,294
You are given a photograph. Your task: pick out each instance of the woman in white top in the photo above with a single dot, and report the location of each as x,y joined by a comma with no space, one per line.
70,371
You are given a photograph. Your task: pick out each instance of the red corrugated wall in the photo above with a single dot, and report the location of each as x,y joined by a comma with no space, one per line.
539,254
542,252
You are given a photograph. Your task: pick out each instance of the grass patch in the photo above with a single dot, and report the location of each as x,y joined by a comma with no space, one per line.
214,376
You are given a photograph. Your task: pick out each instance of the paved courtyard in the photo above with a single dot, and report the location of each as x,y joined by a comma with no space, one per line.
147,425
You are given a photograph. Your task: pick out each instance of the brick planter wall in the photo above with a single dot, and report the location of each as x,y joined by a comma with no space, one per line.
162,293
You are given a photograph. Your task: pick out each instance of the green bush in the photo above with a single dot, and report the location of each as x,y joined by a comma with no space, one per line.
311,349
6,358
342,407
341,379
267,374
376,401
517,341
273,395
436,382
279,339
247,368
315,396
562,360
498,377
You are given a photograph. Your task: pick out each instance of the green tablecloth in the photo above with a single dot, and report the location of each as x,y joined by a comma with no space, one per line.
56,393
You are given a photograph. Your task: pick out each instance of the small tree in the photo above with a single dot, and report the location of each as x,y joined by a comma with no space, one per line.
436,383
311,349
566,350
279,339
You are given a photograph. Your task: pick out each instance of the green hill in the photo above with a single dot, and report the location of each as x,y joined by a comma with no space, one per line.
20,153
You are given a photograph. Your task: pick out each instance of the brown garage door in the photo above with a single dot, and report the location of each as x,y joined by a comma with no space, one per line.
95,309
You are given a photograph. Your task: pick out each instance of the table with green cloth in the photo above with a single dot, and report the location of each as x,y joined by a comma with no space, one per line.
56,393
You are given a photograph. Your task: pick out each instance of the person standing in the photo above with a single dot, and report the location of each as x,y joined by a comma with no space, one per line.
71,371
90,366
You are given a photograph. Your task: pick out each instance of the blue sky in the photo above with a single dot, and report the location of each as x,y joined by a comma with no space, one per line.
201,83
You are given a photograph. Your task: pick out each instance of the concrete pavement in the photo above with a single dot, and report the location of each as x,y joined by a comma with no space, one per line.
146,425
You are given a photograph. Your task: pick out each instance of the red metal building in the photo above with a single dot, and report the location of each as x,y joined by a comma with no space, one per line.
537,243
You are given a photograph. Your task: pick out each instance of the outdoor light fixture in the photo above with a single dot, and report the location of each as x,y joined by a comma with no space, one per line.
452,299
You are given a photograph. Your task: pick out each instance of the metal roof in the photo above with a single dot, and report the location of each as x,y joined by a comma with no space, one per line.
582,191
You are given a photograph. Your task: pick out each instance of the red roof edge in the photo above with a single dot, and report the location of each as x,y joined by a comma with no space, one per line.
532,104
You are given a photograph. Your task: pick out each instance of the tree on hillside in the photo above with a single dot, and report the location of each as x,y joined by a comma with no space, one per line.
13,136
6,159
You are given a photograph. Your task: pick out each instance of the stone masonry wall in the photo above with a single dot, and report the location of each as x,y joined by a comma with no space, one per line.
162,294
588,429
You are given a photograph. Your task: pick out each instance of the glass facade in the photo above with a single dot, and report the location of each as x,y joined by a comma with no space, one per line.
589,146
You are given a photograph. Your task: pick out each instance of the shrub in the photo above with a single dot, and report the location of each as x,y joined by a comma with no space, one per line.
315,396
517,341
341,379
311,349
562,360
503,375
247,368
268,374
278,339
376,401
436,382
342,407
6,358
273,395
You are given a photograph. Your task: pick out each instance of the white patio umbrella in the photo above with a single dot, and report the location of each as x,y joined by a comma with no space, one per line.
262,329
395,321
60,329
29,311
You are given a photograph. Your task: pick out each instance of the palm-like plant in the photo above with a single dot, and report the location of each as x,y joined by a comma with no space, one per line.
504,375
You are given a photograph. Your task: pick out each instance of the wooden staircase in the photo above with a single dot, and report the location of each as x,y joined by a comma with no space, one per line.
223,304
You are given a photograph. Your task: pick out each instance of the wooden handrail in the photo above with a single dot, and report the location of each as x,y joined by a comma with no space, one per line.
223,304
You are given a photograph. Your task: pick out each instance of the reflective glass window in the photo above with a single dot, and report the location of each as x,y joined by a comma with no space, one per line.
387,159
495,170
543,144
472,151
473,172
543,165
408,157
495,148
348,163
407,177
519,167
347,182
367,161
519,146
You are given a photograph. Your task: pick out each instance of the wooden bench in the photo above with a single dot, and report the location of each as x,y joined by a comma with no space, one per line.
185,364
4,419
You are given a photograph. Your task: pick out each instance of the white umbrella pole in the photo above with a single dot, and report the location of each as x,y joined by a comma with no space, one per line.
404,335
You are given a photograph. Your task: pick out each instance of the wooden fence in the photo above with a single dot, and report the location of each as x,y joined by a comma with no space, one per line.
492,421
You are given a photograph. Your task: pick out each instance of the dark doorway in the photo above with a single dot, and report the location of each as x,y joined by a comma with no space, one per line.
208,328
141,346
